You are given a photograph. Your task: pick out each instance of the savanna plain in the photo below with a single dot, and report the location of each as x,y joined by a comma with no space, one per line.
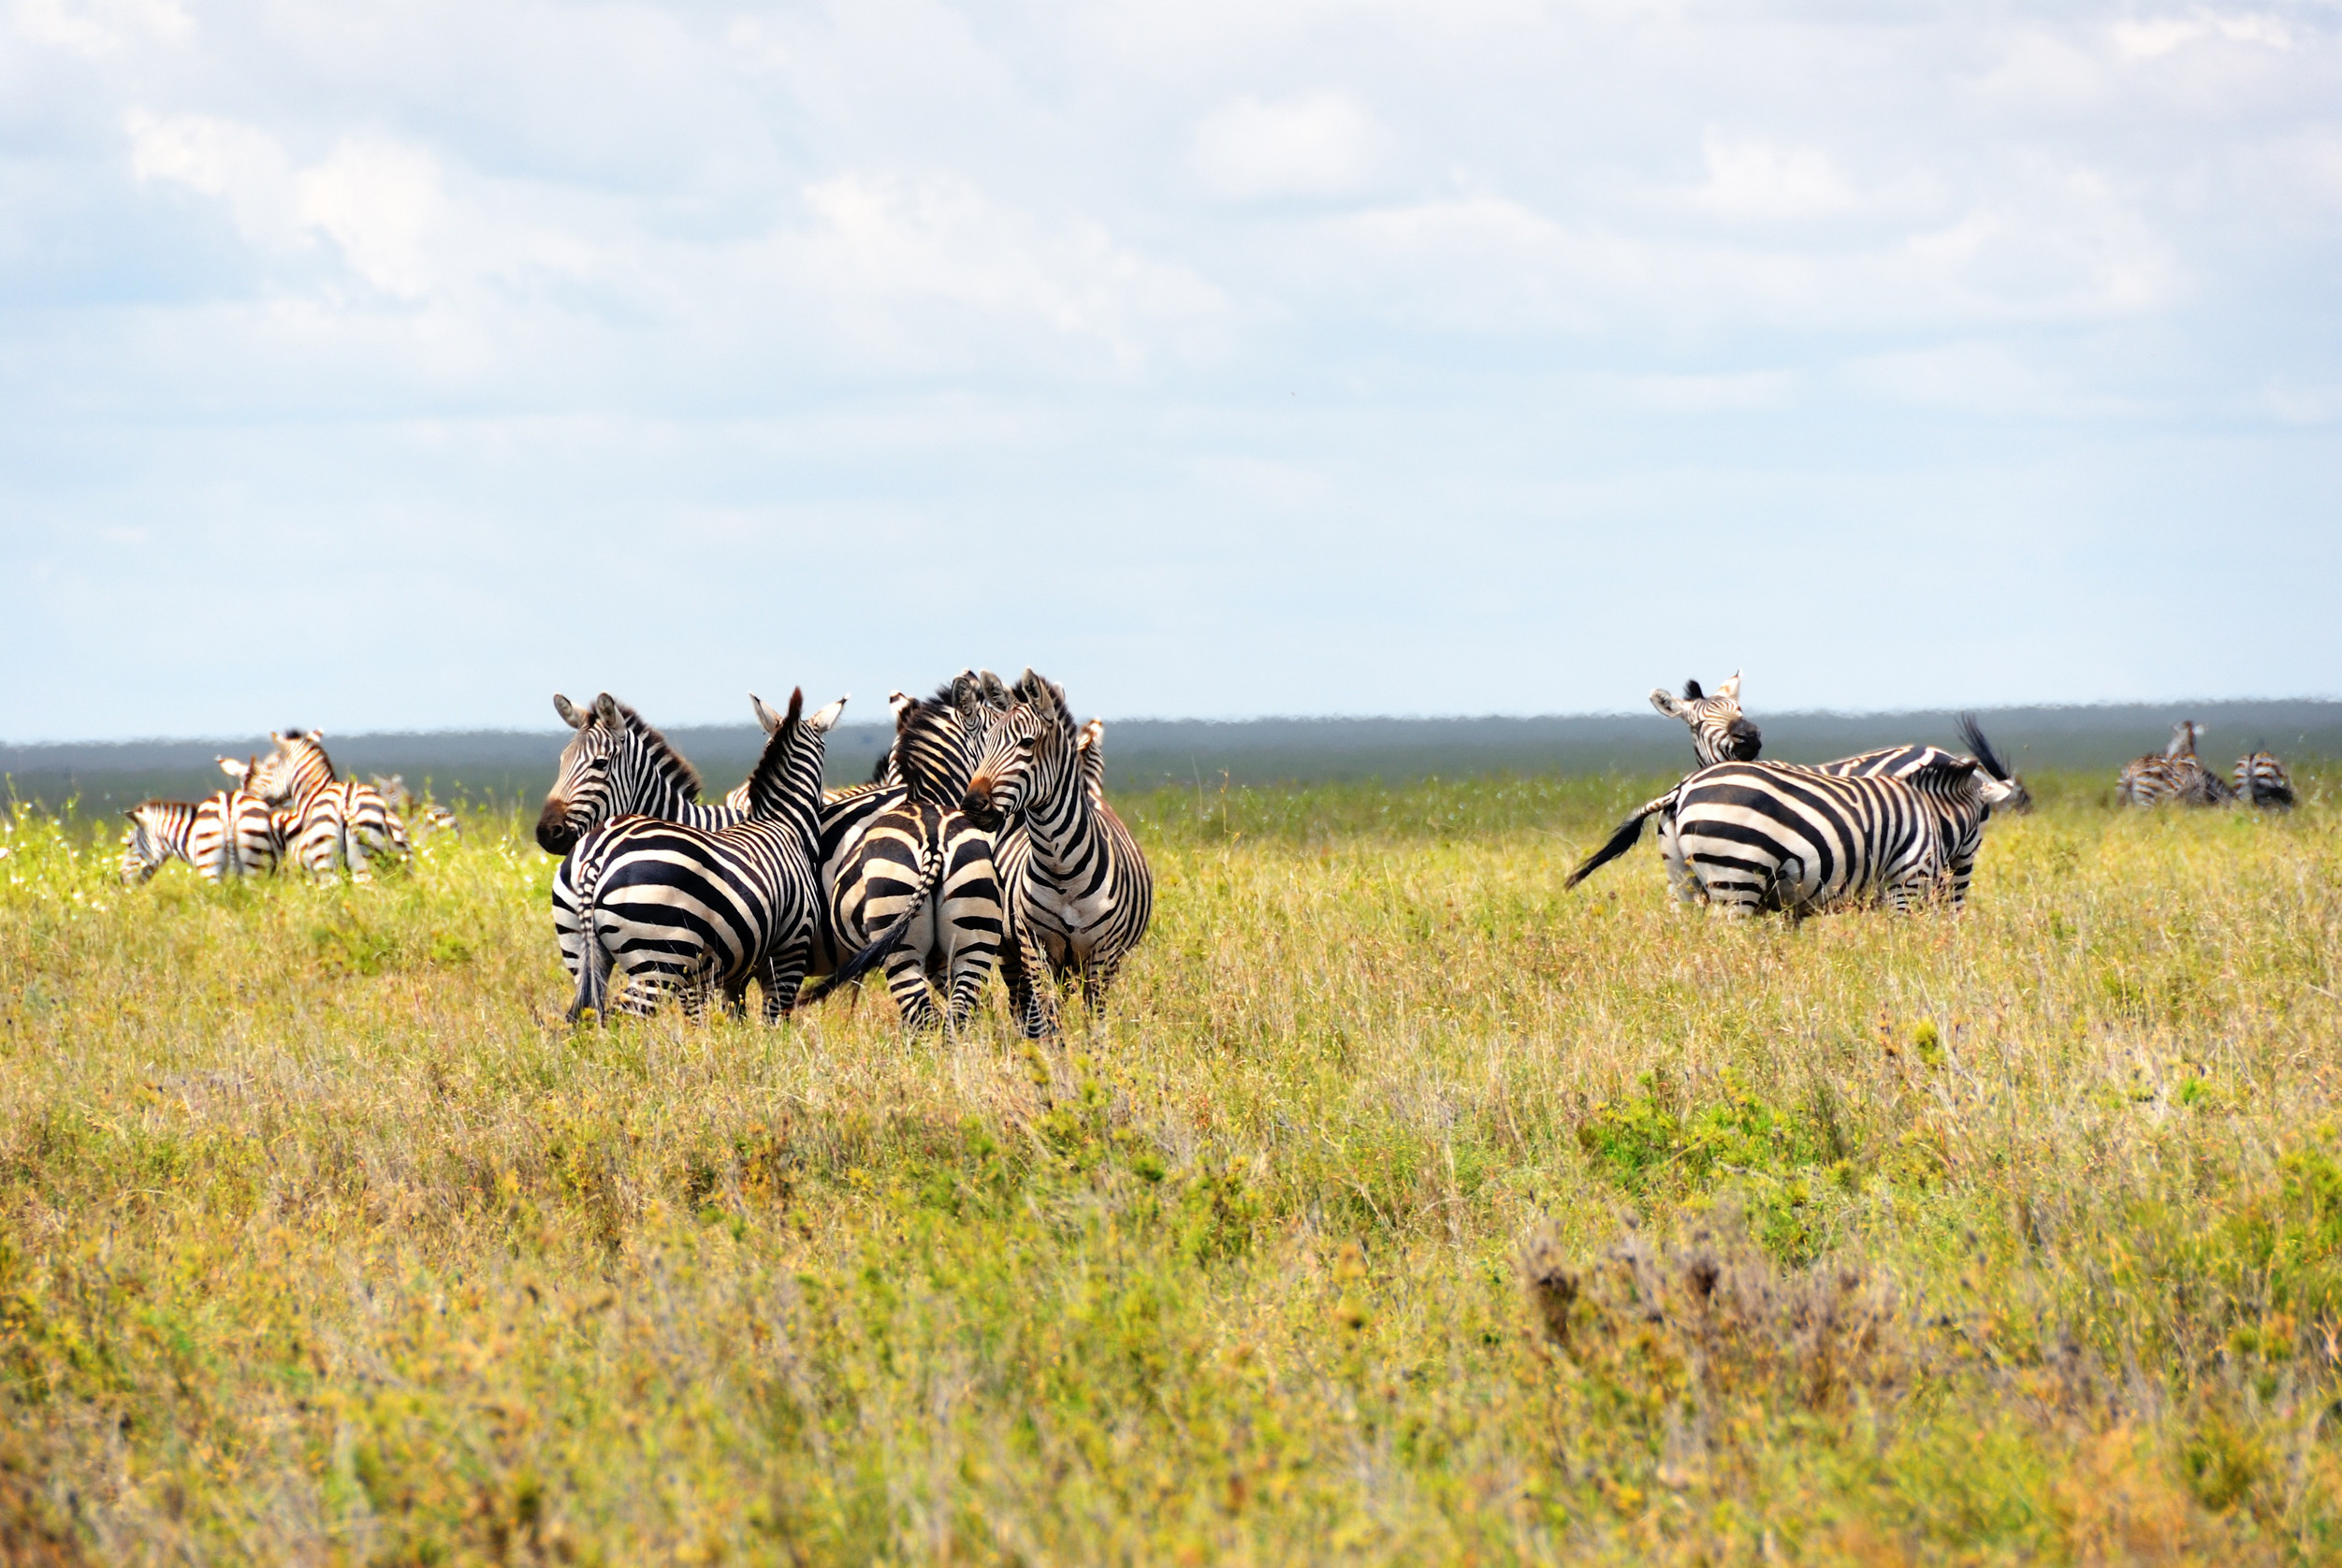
1404,1206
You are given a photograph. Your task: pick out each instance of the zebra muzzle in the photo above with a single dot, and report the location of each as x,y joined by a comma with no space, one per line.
555,837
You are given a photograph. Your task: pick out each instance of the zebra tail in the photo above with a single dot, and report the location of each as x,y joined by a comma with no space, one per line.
593,968
1623,840
861,964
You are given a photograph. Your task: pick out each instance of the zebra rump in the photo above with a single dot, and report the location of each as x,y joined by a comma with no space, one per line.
1901,761
2261,780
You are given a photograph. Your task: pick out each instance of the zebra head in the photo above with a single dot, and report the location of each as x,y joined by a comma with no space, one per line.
787,781
1027,756
296,770
615,765
149,843
2184,737
1719,733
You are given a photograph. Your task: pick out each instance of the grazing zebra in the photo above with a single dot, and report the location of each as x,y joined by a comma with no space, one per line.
1901,761
231,834
2261,780
330,821
428,816
702,912
1719,733
2178,775
1751,836
928,862
616,765
1077,887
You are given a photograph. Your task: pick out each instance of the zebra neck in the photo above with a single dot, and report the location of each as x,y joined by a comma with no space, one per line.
1061,828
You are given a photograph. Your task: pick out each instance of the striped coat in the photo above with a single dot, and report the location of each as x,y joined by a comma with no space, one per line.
229,835
329,823
665,907
1746,837
1902,761
2261,780
1079,893
2176,778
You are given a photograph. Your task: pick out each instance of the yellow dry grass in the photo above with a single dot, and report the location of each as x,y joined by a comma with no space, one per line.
1405,1209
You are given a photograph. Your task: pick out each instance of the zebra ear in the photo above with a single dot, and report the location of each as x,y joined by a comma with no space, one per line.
605,711
823,719
902,703
994,690
233,768
1664,701
1730,691
1092,733
571,714
766,715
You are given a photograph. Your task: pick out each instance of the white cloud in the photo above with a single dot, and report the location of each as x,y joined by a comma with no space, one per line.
2151,38
1321,144
1759,179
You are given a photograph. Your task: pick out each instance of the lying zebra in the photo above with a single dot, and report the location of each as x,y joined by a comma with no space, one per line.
1747,837
2176,776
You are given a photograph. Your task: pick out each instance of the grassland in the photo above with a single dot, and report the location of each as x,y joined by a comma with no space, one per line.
1405,1209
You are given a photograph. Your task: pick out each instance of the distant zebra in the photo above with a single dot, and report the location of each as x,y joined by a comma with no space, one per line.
616,765
1751,836
2261,780
1902,761
231,834
1078,891
929,861
700,911
2176,776
330,821
428,816
1719,732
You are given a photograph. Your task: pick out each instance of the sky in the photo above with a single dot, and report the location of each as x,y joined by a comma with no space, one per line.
394,366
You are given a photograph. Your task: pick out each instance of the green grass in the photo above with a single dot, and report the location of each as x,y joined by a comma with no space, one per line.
1405,1209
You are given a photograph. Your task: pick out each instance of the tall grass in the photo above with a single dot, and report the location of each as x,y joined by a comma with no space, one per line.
1404,1208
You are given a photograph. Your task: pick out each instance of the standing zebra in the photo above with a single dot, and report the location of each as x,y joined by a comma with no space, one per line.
1751,836
927,866
2178,775
1077,887
330,821
618,765
1902,761
428,816
702,912
2261,780
231,834
1719,732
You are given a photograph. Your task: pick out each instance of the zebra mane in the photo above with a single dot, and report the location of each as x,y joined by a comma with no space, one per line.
1047,699
664,755
769,761
1982,750
1692,693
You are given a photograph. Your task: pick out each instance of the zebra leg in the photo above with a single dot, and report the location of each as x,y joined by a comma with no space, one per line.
907,983
1026,971
784,976
1098,978
971,970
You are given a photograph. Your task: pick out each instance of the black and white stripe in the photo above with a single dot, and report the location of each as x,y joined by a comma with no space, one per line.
1077,887
665,907
229,835
328,821
2261,780
1746,837
1903,762
2176,778
1720,732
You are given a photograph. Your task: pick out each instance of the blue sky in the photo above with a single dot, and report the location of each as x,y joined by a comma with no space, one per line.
394,366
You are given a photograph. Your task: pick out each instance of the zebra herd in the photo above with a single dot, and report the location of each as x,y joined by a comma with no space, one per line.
287,807
2179,779
1901,826
983,843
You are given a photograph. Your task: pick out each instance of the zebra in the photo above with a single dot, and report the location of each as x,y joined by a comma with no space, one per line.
930,861
978,698
2261,780
1751,836
428,816
227,835
618,765
1077,887
1719,733
1901,761
2176,776
702,912
330,821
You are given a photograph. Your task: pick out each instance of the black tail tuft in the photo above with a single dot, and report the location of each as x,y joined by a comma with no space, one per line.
1619,842
1982,750
864,962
